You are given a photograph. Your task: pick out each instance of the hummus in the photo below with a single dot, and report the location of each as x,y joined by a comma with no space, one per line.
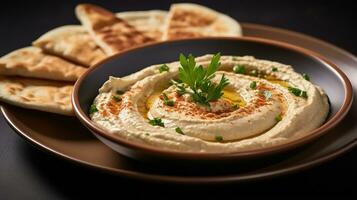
265,103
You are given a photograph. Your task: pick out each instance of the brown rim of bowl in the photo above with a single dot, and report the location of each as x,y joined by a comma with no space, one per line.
341,113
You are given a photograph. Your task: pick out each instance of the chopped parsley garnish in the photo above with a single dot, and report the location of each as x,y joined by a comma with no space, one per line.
267,94
218,138
274,69
156,122
254,72
167,101
164,68
239,69
178,130
119,92
298,92
278,118
253,85
196,80
116,98
295,91
306,77
93,109
181,89
304,94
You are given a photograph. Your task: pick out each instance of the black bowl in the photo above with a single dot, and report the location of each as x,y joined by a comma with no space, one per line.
323,73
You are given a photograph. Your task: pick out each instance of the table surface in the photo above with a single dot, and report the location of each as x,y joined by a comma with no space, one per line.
28,173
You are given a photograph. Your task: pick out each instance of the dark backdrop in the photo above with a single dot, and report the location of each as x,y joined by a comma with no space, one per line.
27,173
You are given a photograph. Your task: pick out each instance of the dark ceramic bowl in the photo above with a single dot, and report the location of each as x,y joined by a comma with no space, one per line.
323,73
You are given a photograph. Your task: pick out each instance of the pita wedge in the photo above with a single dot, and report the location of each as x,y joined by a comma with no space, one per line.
186,20
150,22
49,96
112,34
32,62
73,43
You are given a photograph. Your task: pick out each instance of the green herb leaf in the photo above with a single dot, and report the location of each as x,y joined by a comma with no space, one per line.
179,130
267,94
278,118
214,93
198,80
167,101
298,92
93,109
181,90
213,66
239,69
306,77
117,98
295,91
218,138
253,85
254,72
304,94
274,69
164,68
156,122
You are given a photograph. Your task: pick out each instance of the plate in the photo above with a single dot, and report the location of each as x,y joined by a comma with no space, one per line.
324,74
67,138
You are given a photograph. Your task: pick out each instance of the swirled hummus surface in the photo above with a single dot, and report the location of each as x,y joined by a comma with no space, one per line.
261,103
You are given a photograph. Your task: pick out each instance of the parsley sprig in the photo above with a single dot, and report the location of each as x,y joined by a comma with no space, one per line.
197,81
164,68
157,122
298,92
93,109
167,101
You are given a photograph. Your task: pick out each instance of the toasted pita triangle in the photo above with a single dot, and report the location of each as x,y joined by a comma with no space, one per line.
32,62
48,96
71,42
149,22
112,34
186,20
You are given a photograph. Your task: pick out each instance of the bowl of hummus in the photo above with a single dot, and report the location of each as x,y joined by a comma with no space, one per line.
211,99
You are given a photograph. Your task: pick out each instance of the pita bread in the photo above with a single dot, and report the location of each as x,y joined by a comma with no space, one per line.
37,94
32,62
71,42
149,22
186,20
110,33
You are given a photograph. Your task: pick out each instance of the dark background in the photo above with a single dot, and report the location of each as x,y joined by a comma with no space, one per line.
27,173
